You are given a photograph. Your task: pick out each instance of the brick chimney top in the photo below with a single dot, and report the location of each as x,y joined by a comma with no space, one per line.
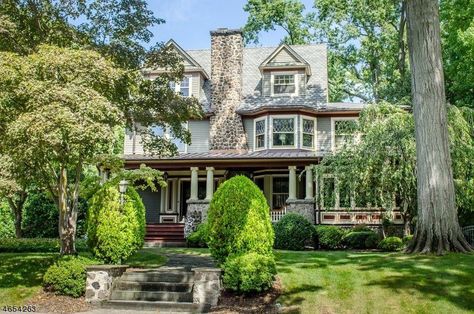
226,31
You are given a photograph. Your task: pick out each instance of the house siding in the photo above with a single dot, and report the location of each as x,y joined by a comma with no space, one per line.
283,57
199,136
249,130
151,201
323,136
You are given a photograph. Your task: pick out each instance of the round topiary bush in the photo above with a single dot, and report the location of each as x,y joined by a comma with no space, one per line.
357,239
115,231
292,232
250,272
391,244
68,276
239,220
330,237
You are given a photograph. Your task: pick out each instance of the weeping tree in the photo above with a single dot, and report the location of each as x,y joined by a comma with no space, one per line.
438,229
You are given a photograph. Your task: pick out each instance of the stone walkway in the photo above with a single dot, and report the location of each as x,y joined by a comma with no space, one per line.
188,261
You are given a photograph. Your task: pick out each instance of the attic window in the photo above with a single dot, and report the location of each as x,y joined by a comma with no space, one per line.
284,84
182,88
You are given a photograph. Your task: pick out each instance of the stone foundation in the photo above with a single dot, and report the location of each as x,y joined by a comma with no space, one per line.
196,213
100,279
207,286
304,208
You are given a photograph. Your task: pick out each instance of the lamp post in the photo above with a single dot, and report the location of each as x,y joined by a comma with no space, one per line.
123,185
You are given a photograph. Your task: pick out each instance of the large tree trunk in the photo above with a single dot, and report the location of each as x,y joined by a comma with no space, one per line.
67,219
16,206
437,229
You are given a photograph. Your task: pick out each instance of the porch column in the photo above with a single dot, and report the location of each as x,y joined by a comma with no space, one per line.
209,183
292,183
194,183
174,195
309,183
162,199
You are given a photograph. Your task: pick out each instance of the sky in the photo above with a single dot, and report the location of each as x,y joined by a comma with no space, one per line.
188,22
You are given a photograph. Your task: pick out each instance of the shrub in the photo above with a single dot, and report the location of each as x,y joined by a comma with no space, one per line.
372,241
406,240
361,228
7,224
238,220
40,218
25,245
250,272
115,231
199,237
68,276
292,232
330,237
357,239
391,244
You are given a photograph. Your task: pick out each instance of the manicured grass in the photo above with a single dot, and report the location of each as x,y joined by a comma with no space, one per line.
193,251
146,258
21,275
366,282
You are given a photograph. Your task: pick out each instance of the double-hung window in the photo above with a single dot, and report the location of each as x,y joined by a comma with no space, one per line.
168,135
344,132
260,133
182,88
308,126
283,132
284,84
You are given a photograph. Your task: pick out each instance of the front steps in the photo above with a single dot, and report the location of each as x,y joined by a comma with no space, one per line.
167,289
165,235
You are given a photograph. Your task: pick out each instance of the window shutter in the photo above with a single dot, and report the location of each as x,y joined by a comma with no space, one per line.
302,84
266,84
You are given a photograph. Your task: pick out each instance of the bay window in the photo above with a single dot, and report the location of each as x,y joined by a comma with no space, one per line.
307,132
283,132
260,133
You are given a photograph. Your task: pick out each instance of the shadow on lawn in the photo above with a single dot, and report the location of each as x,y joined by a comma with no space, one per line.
17,269
449,277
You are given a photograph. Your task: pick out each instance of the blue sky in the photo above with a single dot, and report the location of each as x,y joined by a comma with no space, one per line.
188,22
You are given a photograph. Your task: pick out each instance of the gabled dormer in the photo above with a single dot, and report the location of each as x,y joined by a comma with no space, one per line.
284,73
194,73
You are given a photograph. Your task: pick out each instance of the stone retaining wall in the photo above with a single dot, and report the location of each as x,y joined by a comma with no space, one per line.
100,279
304,208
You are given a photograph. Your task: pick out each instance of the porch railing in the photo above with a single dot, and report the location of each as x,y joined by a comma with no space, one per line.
369,216
276,215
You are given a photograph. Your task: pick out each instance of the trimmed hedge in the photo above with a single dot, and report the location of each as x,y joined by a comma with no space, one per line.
361,240
391,244
250,272
238,220
68,276
25,245
199,237
293,232
330,237
115,231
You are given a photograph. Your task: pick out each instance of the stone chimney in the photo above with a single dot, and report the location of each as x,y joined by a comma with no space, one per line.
227,130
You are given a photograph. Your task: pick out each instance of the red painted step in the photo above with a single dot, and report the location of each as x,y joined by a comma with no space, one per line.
165,233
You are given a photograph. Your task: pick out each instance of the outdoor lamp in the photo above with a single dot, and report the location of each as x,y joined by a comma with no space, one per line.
123,185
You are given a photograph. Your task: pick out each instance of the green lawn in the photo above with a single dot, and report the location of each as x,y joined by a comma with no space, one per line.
359,282
146,258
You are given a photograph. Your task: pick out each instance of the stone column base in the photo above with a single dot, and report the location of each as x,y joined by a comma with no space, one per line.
100,279
304,208
207,286
196,213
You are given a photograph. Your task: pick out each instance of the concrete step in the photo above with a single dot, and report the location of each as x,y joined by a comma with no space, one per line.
153,286
159,307
166,296
159,276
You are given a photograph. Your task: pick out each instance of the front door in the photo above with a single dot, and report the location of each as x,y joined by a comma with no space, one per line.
184,195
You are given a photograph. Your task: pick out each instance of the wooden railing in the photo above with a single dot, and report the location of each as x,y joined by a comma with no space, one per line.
276,215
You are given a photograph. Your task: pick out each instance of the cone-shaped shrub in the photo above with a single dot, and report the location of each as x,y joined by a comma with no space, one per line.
239,220
115,231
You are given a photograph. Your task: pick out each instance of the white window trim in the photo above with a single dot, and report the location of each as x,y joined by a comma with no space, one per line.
333,129
255,148
297,85
167,135
295,131
314,132
177,86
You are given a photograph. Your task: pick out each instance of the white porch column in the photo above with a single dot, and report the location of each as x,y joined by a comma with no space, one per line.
209,183
194,183
174,195
292,183
309,183
162,199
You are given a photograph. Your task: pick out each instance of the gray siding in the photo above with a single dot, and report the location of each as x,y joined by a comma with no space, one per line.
266,84
199,136
323,137
248,128
151,200
283,57
302,84
196,85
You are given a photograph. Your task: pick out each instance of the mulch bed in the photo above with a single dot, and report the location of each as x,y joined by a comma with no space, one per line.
47,302
264,302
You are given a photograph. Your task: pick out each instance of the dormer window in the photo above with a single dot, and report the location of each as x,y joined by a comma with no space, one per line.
284,84
182,88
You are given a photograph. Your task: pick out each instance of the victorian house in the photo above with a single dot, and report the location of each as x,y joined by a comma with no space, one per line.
267,116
